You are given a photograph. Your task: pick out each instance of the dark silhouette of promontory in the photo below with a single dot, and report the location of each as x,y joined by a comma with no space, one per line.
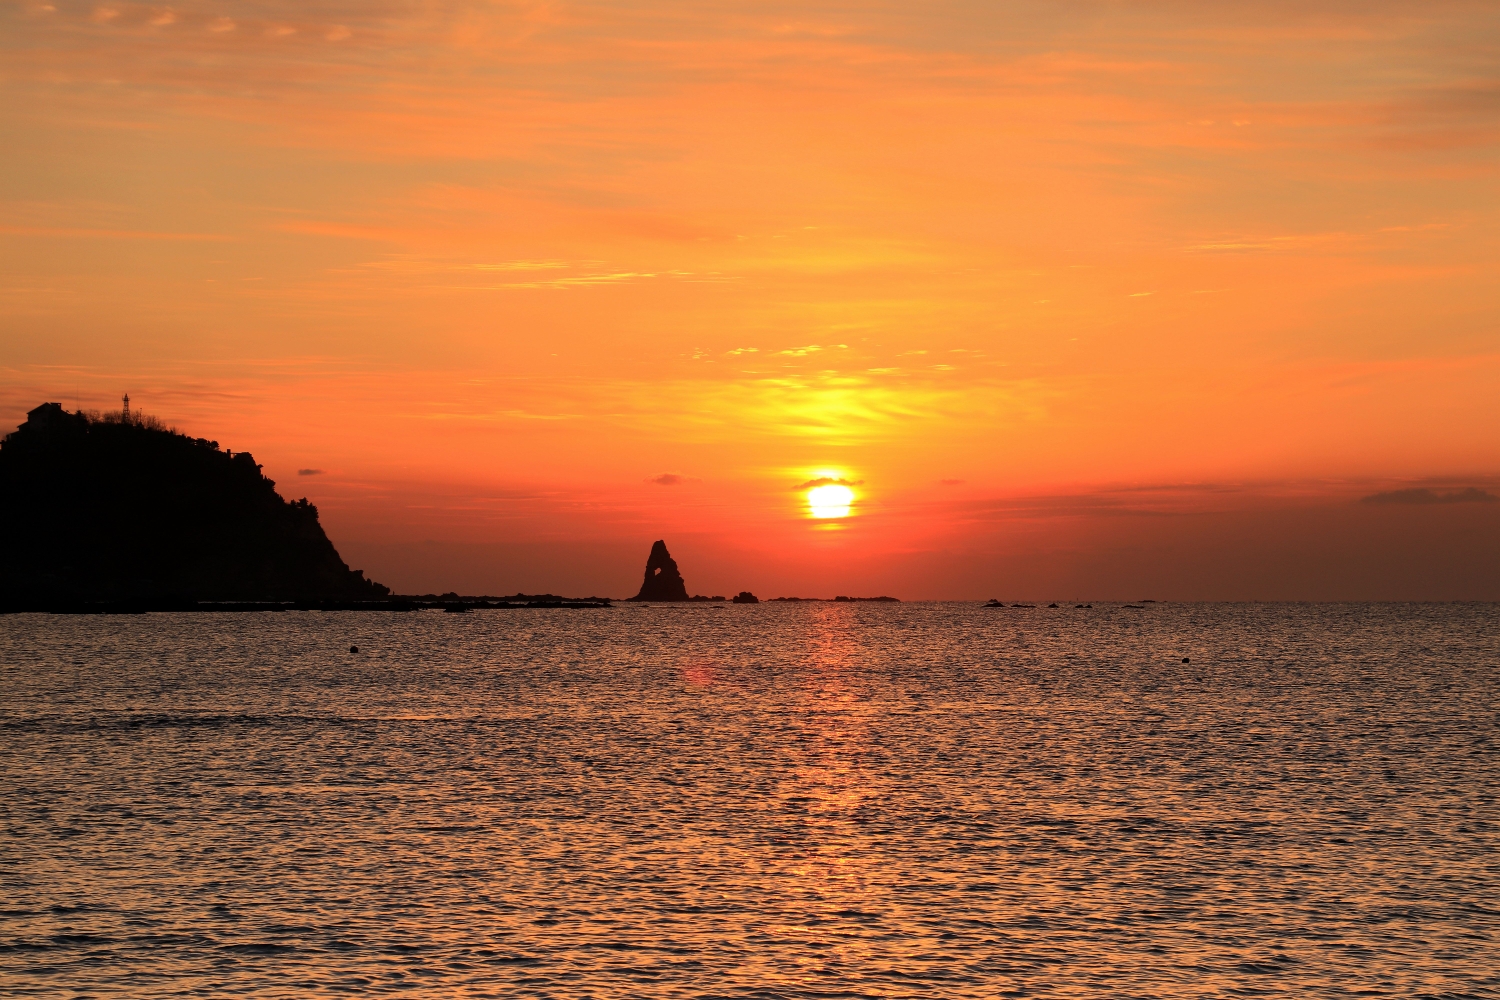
663,582
120,509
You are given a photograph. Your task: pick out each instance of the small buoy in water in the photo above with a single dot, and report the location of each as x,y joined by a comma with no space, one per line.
355,649
1186,660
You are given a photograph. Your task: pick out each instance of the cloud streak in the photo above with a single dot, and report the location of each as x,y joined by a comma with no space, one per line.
828,481
1423,496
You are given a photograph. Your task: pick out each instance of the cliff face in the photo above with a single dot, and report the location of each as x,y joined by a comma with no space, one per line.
663,582
112,509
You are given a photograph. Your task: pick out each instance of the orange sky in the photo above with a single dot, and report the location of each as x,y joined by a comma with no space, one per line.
1094,299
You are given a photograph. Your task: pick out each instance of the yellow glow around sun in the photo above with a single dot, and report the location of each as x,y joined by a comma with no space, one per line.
830,501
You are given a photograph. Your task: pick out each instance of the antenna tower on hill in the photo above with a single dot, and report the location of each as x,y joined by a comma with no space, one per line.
125,411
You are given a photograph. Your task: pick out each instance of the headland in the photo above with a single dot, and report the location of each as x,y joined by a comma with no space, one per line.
119,510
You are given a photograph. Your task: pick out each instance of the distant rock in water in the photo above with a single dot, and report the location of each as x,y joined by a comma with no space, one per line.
745,597
119,508
663,582
836,600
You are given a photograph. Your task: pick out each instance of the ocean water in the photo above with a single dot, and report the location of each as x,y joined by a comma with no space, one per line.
915,800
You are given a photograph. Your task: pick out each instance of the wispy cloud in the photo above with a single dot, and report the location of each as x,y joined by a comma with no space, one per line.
525,265
586,280
1423,496
828,481
78,233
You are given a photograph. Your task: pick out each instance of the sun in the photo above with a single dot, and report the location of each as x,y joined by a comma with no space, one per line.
832,500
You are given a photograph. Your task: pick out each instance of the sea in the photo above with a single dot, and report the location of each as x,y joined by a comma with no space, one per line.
832,800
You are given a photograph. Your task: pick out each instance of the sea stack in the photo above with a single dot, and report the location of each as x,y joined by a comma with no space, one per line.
663,582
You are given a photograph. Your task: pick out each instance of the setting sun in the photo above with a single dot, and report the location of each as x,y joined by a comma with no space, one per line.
830,501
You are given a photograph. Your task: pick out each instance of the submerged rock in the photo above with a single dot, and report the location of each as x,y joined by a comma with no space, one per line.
663,582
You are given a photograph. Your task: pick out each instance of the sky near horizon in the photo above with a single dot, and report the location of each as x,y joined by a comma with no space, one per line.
1090,299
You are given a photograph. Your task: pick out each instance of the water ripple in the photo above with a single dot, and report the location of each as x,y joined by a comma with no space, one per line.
759,801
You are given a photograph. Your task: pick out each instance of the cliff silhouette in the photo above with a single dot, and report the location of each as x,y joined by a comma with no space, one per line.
663,582
119,508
